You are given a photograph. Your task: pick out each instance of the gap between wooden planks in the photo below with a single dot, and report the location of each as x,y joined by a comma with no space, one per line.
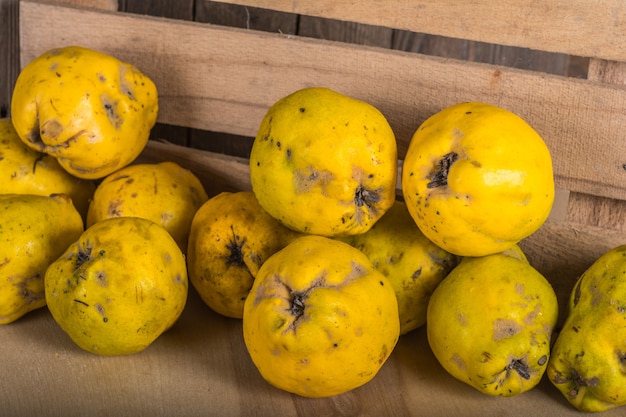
224,79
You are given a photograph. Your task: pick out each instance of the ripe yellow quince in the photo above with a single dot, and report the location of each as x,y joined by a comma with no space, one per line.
477,179
89,110
34,231
413,264
231,237
164,192
324,163
320,320
489,324
118,287
588,362
25,171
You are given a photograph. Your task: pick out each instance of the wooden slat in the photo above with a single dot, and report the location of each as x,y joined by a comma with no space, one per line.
585,28
593,210
225,79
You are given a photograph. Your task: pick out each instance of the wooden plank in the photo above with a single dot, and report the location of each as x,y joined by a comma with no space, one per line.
176,10
216,171
227,78
593,210
562,26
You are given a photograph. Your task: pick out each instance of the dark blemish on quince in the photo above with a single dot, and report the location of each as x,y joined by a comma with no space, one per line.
84,255
235,250
440,177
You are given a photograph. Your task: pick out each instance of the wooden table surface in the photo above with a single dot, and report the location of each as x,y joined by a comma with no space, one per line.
200,367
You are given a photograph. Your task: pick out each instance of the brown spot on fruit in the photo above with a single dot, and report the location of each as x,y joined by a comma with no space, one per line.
51,129
114,208
125,87
577,293
101,278
458,361
307,179
110,108
24,288
34,137
297,304
365,197
503,328
621,359
100,308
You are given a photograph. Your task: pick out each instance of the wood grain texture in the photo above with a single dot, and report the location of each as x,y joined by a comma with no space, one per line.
242,75
200,367
589,209
562,26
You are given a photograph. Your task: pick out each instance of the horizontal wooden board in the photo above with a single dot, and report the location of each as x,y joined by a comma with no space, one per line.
225,79
583,28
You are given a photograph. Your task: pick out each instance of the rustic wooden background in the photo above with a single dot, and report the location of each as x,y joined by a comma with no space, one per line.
259,19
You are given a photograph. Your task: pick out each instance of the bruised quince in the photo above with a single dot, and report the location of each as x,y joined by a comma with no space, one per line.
26,171
163,192
34,231
89,110
588,362
118,287
477,179
324,163
413,264
231,237
320,320
490,322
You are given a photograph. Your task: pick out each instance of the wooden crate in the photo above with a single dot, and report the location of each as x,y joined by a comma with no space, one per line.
223,79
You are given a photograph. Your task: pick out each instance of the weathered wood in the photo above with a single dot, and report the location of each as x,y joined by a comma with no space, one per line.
562,26
593,210
216,171
242,75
